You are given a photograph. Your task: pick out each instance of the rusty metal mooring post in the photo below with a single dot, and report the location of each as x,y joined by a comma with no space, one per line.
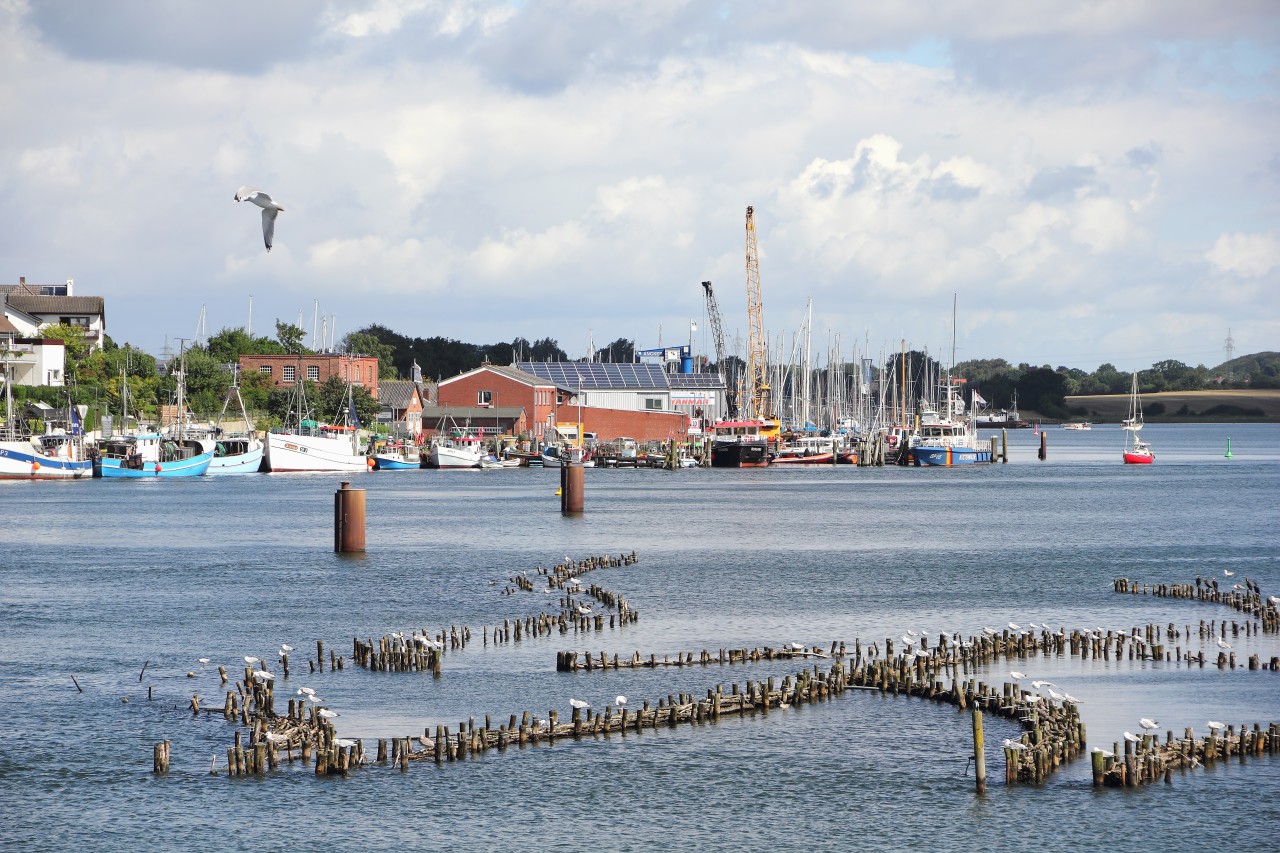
348,520
572,481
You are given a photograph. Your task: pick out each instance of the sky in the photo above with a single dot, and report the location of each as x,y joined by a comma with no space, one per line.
1091,181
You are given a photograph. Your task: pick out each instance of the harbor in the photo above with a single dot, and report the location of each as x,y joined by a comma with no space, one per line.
839,555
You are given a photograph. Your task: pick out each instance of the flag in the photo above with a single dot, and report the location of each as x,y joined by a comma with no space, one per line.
977,399
77,428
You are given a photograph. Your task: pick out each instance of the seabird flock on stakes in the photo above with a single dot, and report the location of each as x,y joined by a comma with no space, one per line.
1053,733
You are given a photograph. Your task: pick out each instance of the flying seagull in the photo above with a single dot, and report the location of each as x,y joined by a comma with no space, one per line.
269,210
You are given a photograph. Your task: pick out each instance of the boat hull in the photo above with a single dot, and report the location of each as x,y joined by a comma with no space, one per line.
739,455
946,457
1131,458
813,459
18,463
111,468
312,453
392,463
248,462
453,457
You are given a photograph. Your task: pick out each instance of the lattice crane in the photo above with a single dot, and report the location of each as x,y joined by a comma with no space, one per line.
717,332
757,362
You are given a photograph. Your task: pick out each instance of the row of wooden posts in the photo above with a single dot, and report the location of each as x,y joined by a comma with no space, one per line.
1244,596
1148,760
1052,730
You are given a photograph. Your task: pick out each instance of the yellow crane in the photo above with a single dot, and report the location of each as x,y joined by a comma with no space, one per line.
757,360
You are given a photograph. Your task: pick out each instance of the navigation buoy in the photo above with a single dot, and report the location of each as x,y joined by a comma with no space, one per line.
1228,456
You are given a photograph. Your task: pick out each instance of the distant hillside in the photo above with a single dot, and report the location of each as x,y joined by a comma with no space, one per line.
1255,364
1184,406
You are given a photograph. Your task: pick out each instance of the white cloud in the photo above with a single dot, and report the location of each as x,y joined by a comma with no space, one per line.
1247,255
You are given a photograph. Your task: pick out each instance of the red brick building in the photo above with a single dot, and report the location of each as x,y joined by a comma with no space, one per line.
285,370
547,404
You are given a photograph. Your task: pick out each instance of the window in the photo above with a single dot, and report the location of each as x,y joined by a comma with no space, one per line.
653,403
264,369
484,398
313,373
82,322
288,373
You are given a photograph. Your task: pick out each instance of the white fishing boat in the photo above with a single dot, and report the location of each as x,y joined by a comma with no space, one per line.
456,452
1078,425
56,455
305,446
238,451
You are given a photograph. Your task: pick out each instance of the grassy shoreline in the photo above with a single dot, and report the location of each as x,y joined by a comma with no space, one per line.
1227,406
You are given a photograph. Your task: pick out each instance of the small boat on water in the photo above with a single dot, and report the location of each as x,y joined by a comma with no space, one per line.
947,439
1136,451
460,451
52,456
490,462
236,452
554,456
395,456
1000,419
151,454
740,444
1078,425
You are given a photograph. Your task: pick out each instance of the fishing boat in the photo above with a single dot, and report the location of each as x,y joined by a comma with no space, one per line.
739,444
456,451
236,452
555,456
53,456
303,445
150,455
1136,451
395,456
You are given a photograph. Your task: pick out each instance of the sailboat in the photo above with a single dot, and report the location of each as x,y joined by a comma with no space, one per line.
1136,451
303,445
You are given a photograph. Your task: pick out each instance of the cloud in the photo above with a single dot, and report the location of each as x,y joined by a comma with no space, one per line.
1245,255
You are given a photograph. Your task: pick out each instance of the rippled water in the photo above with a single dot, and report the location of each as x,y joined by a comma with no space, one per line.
98,578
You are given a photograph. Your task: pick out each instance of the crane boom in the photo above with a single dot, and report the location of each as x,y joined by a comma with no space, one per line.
717,332
757,362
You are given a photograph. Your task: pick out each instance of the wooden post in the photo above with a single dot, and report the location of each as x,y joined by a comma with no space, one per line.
979,753
348,520
1004,446
1044,445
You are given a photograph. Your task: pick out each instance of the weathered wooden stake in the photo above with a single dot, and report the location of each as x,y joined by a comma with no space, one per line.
979,753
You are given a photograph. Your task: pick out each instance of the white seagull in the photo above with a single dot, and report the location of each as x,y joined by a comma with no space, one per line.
1014,627
1016,745
1228,572
1039,684
250,659
306,691
1223,644
1216,726
327,714
1148,724
1131,737
1017,676
269,211
621,701
578,703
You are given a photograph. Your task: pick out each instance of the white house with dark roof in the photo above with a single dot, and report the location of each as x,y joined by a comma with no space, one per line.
51,304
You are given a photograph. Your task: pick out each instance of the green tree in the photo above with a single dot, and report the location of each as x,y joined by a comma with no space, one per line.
1044,389
228,345
332,401
291,338
364,343
72,337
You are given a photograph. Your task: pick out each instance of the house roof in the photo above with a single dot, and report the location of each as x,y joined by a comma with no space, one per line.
38,304
511,372
396,393
591,376
6,327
